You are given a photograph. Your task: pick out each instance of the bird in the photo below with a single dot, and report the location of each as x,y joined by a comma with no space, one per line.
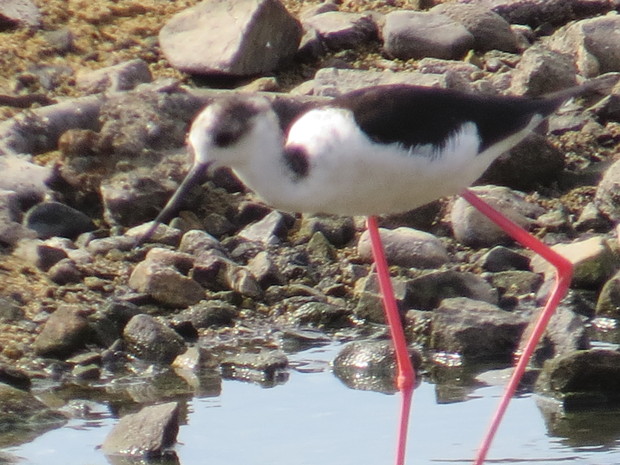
374,151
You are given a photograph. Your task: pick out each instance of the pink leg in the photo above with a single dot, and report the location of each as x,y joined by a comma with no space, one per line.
405,379
564,271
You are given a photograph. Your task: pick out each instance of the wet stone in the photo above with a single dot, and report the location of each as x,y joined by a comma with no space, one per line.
428,290
266,368
149,433
150,340
195,359
476,330
51,219
15,378
321,315
608,303
86,372
407,247
501,258
583,379
370,305
207,314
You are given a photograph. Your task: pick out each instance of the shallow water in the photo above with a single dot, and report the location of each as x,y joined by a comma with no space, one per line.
314,419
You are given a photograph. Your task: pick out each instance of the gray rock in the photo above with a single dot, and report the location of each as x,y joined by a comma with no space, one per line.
267,368
338,230
149,433
608,303
65,272
583,379
164,282
607,198
124,76
410,34
239,37
321,315
195,359
66,331
208,314
22,13
472,228
476,330
501,258
369,365
541,71
151,340
427,291
407,247
270,230
163,234
535,12
489,29
199,243
10,311
331,82
565,333
533,162
61,40
341,30
591,219
265,270
27,180
592,43
592,259
516,283
40,133
15,378
50,219
241,280
37,253
370,305
11,231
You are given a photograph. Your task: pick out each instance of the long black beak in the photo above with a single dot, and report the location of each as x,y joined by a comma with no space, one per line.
192,178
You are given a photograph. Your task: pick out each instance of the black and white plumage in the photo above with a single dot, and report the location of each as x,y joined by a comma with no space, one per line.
378,150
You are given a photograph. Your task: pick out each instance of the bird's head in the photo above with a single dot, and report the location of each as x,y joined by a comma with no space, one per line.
231,131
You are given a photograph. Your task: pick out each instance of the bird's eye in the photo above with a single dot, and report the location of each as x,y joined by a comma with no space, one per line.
224,138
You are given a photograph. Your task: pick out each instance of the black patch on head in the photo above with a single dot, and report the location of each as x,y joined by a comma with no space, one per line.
414,116
296,160
233,122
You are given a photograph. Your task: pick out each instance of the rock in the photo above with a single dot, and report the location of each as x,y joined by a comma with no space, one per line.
61,40
19,13
592,259
149,433
566,332
124,76
199,243
608,303
592,43
163,234
583,379
591,219
266,368
24,413
65,272
11,231
50,219
152,341
10,311
270,230
370,305
406,247
516,283
241,280
240,38
472,228
536,13
476,330
342,30
607,198
65,332
369,365
427,291
541,71
532,163
37,253
490,30
195,359
27,180
321,315
15,378
410,34
265,271
501,258
338,230
165,283
208,314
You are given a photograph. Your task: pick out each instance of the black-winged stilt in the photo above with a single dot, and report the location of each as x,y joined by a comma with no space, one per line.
373,151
